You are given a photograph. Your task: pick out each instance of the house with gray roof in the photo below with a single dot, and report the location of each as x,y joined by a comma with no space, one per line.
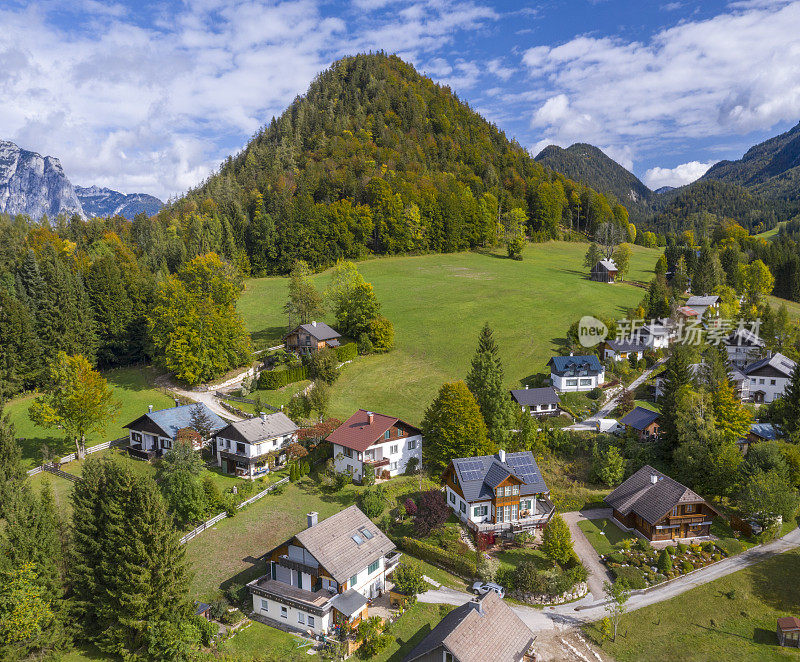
157,431
605,271
484,629
249,448
325,575
700,304
769,377
576,373
644,423
659,508
497,493
759,432
743,347
311,338
537,401
623,349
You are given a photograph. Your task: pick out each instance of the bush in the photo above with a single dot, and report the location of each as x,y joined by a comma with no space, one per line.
368,475
342,479
633,576
381,333
695,548
347,352
528,579
669,549
237,594
324,366
372,502
232,617
364,344
682,548
411,466
664,562
432,512
458,564
595,393
206,629
274,379
615,557
410,506
408,580
643,545
729,546
687,566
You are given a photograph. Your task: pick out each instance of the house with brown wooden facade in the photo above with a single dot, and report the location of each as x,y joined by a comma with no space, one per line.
325,575
643,422
482,630
496,493
605,271
660,508
311,338
367,438
789,632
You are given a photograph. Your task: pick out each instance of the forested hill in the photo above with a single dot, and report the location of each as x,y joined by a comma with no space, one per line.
590,165
375,158
771,168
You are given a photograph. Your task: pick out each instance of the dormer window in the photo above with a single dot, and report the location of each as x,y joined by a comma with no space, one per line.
387,434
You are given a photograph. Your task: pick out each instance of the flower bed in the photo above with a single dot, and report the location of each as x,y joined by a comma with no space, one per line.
640,565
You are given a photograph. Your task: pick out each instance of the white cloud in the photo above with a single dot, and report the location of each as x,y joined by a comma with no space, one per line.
680,175
733,73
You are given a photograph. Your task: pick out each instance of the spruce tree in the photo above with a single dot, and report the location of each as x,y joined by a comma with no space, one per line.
788,408
128,571
12,474
677,381
485,381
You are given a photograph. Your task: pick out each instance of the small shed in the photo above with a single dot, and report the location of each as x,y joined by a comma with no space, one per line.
605,271
789,631
203,609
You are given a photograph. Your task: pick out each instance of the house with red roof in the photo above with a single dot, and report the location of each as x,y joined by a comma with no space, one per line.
368,438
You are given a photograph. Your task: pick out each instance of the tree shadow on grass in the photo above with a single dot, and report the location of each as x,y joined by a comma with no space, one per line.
775,582
763,636
406,646
268,336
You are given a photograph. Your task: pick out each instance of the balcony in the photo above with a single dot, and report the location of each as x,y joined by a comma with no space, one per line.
377,463
391,560
136,450
544,511
291,564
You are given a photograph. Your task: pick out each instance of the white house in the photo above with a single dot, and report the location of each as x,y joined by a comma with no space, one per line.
576,373
537,401
243,448
622,350
384,442
769,377
744,347
700,304
325,575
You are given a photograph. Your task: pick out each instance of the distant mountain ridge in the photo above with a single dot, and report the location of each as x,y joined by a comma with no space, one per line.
98,201
33,184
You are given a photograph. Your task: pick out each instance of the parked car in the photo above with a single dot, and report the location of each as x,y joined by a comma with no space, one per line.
481,588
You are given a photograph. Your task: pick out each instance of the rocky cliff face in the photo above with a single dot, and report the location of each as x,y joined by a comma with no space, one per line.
97,201
33,184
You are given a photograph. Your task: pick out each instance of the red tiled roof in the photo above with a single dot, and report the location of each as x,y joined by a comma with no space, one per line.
357,432
789,623
687,312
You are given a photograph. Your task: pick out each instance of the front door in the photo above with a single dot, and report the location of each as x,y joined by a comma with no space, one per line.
231,467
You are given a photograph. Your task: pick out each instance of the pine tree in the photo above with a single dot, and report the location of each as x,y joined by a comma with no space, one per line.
485,381
557,541
453,426
593,256
128,570
12,474
677,381
788,408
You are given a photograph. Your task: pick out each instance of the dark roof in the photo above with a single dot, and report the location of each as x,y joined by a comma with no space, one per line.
640,418
318,330
536,396
359,434
201,607
257,429
778,361
627,345
350,602
331,543
483,629
169,421
764,431
651,501
741,337
563,365
478,476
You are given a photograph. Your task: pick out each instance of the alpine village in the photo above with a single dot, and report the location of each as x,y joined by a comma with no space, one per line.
387,387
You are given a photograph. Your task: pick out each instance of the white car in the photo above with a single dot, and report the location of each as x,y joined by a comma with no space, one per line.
482,588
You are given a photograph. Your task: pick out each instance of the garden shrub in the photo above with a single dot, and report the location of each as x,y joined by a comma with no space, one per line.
695,548
615,557
411,466
708,547
458,564
274,379
682,548
206,629
729,546
595,393
347,352
633,576
528,579
373,501
232,617
670,550
687,566
643,545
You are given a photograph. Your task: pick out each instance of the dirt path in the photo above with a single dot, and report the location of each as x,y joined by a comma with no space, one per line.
588,555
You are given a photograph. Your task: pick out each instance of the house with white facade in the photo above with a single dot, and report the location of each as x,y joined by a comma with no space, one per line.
494,493
700,304
537,401
743,347
769,377
325,575
367,438
244,448
157,431
576,373
623,350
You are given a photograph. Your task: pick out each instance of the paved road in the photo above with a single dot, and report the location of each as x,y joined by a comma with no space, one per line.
588,609
598,573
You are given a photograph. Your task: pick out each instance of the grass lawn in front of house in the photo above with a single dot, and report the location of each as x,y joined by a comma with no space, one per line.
512,558
134,388
603,534
411,628
732,618
267,644
277,398
436,574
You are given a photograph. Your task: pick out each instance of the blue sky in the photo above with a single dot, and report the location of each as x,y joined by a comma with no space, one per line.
151,96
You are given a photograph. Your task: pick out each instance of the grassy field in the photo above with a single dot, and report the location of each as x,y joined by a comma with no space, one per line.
732,618
792,307
438,304
133,387
603,534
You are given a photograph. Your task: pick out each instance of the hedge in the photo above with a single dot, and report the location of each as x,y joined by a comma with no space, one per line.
632,575
272,379
347,352
459,565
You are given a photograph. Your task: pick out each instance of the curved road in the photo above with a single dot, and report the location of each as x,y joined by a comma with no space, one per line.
588,610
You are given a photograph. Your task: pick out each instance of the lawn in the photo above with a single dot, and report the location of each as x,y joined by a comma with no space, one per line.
277,398
411,628
732,618
603,534
434,573
133,387
512,558
262,642
792,307
438,304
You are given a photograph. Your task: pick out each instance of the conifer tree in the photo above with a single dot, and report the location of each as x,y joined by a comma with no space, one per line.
788,408
485,381
127,571
677,381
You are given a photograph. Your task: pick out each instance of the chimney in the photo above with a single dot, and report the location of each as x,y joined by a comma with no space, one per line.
149,409
370,418
502,455
479,602
572,353
314,323
177,404
263,415
526,387
312,519
653,478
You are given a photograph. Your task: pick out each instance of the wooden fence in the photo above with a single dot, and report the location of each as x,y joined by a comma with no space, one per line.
218,518
122,441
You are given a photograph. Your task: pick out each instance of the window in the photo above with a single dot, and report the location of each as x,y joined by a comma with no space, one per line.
393,466
412,445
772,382
264,605
357,538
689,508
476,511
463,507
760,381
301,617
353,580
348,452
675,510
240,448
387,434
284,612
373,567
500,514
448,657
366,533
525,504
514,512
452,497
586,382
311,621
393,449
508,490
136,436
515,489
572,382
